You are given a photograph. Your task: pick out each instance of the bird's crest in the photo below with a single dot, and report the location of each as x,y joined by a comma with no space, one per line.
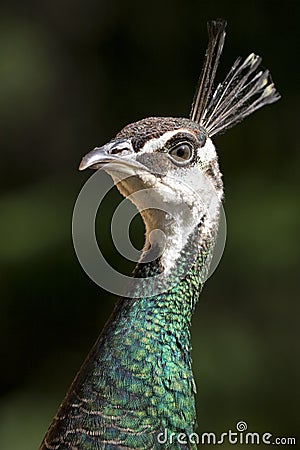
245,89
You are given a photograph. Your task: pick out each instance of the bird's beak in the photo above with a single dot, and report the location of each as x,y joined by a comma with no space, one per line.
119,154
96,158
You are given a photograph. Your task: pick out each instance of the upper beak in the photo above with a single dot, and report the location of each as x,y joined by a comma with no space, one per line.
96,158
109,153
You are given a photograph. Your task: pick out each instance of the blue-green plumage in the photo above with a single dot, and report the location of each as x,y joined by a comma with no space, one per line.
136,388
137,381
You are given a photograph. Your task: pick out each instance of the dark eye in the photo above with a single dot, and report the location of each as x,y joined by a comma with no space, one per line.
181,153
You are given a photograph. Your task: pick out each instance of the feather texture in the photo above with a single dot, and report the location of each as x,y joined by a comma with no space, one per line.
137,381
246,88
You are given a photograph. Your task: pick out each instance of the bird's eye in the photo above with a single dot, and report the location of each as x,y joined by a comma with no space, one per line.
181,153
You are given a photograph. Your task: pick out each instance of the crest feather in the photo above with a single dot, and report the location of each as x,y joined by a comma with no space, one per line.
246,88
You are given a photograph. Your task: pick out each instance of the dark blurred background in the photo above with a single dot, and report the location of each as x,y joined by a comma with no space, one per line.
72,73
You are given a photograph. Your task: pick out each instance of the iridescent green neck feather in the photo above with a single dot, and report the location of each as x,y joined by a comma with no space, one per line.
136,387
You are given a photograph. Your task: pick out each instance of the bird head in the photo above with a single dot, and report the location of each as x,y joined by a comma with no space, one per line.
172,161
168,168
158,152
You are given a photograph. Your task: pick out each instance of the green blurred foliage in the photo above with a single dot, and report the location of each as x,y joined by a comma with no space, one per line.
71,75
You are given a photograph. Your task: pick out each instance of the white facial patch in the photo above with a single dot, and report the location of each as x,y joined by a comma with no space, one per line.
207,153
158,143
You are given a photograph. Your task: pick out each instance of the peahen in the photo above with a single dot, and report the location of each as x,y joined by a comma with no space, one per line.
135,389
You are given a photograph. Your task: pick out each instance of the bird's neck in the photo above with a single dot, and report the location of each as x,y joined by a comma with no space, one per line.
174,265
151,339
174,257
139,370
